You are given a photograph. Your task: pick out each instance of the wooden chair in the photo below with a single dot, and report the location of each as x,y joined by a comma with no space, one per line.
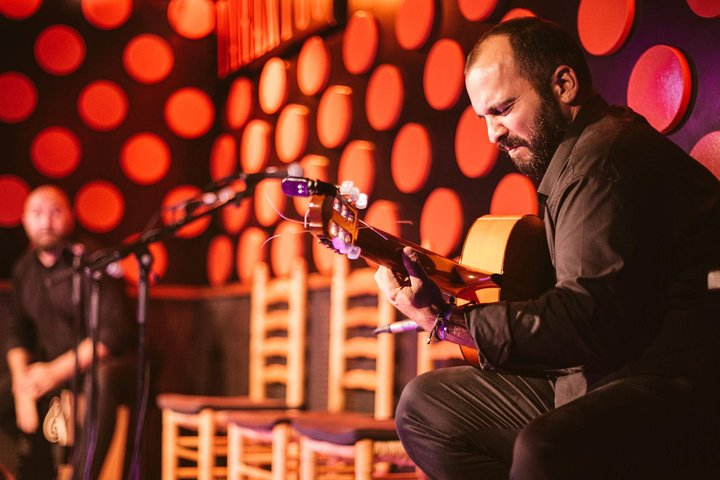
358,361
277,361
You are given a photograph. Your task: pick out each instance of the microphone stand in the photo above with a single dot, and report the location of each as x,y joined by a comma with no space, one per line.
140,249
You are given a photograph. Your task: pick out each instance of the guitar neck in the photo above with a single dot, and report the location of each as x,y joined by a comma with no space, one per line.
452,277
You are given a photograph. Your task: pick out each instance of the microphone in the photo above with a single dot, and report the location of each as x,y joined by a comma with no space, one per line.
399,327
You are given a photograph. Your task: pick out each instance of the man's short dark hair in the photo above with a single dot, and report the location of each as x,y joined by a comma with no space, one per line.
540,47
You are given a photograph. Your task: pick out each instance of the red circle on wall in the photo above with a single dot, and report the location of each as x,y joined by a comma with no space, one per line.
705,8
251,250
189,112
334,117
286,245
148,58
18,97
441,222
13,192
443,77
383,215
272,87
99,206
475,154
159,267
235,217
291,132
413,23
102,105
219,260
19,9
384,97
477,10
55,152
145,158
411,158
604,25
223,157
514,194
313,66
323,258
357,163
269,201
360,42
239,103
174,211
659,87
255,146
192,19
707,152
106,14
517,13
59,50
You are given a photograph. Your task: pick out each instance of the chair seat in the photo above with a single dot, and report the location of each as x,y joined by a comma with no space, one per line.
261,420
195,403
344,428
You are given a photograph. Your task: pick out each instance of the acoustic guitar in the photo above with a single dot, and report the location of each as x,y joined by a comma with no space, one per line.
503,257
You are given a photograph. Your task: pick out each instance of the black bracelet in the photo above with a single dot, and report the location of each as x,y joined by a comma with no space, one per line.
439,329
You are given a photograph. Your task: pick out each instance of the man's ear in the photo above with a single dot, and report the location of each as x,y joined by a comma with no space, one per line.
564,85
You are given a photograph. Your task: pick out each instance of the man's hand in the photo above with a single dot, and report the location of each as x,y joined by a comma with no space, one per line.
420,300
26,413
39,379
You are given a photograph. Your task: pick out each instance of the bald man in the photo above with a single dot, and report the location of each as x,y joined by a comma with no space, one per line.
43,331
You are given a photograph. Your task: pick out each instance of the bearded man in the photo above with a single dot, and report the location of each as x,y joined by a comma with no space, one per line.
613,372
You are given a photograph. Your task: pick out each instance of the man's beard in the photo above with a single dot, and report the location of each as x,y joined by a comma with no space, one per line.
548,130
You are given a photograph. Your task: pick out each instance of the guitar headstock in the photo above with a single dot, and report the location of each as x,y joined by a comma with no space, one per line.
332,215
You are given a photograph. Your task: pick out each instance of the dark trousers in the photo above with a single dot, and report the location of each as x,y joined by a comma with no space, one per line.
463,423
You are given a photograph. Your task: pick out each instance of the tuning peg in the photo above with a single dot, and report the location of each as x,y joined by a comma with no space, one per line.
346,186
354,252
362,201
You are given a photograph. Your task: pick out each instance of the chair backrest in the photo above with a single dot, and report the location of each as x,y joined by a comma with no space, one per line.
436,354
359,360
278,312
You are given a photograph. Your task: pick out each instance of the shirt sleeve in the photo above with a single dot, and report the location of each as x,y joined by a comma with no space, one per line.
116,329
20,330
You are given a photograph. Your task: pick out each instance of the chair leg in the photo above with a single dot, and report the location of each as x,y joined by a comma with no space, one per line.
280,441
307,460
364,459
206,445
169,444
234,452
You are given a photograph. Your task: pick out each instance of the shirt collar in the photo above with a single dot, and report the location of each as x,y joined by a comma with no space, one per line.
589,113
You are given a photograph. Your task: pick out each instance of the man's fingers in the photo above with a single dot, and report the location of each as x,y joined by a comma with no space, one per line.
415,270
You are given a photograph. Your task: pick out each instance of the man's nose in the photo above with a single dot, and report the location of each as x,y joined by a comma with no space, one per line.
496,130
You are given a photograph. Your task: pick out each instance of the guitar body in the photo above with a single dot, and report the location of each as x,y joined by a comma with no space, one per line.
515,246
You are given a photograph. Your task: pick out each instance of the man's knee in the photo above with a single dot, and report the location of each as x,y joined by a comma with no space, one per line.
542,451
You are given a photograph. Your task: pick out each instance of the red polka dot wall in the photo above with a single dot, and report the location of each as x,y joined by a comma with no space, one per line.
120,103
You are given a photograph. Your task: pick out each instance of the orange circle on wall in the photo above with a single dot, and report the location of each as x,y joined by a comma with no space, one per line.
357,163
59,50
189,112
659,87
411,158
99,206
235,216
223,157
269,201
707,152
705,8
291,132
255,146
13,192
316,168
102,105
106,14
384,97
360,42
174,211
413,23
145,158
323,257
272,87
517,13
239,103
383,215
251,250
55,152
313,66
159,267
19,9
18,97
477,10
219,260
514,194
443,77
475,154
286,244
604,25
441,221
334,117
148,58
191,19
